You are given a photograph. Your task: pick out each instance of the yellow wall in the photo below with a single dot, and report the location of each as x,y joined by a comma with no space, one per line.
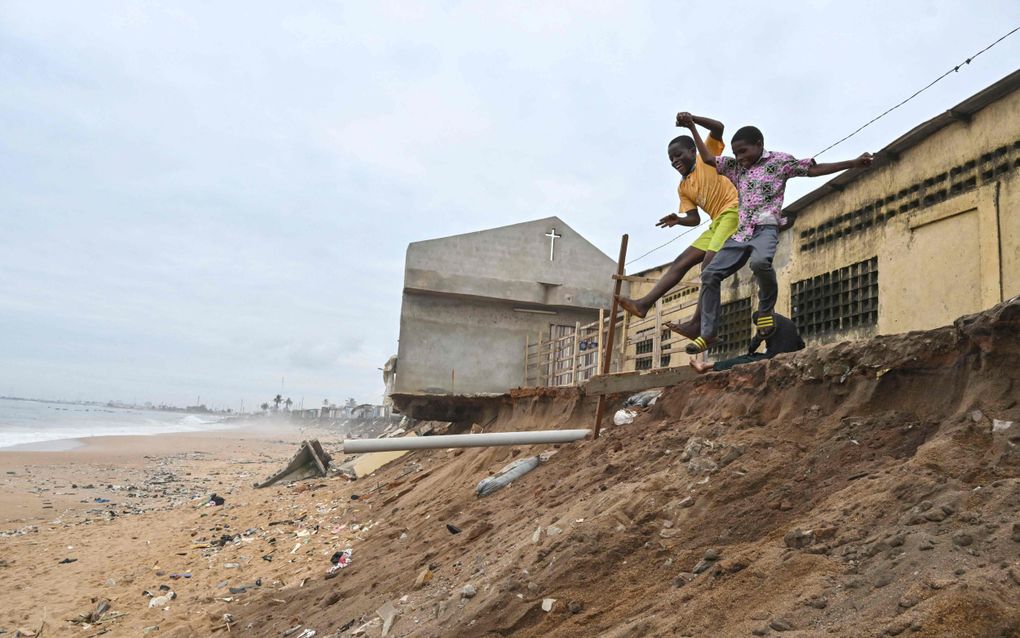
937,261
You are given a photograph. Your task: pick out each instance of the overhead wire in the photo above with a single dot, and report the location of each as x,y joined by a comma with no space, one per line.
955,69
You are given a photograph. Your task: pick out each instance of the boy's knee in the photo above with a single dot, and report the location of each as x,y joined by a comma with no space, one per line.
761,265
710,277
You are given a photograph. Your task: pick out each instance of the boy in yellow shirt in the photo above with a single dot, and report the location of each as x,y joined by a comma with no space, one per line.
702,187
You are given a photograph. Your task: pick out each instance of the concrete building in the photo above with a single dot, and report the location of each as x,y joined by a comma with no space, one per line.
471,301
930,232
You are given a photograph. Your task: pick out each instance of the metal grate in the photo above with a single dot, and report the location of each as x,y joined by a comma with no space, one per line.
734,330
842,299
957,180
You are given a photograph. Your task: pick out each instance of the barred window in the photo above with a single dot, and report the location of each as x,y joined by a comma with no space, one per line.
734,330
842,299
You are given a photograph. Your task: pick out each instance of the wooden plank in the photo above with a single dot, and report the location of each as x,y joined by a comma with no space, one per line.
620,382
620,269
636,279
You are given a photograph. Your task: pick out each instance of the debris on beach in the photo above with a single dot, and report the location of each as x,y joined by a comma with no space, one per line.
311,461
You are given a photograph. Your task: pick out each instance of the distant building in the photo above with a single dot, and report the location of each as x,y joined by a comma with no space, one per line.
470,302
930,232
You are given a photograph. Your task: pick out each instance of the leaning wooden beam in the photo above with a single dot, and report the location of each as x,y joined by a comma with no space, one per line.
356,446
621,265
635,381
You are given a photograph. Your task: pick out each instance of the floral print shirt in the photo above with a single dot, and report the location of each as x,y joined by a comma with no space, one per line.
761,188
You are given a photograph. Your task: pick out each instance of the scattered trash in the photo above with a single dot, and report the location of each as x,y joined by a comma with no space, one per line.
225,539
507,475
453,529
161,601
100,500
424,578
468,591
176,576
240,589
624,417
310,461
231,565
548,604
67,561
267,557
215,500
643,399
387,613
340,560
1001,426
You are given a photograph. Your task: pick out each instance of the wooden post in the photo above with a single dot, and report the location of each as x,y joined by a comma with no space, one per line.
608,359
622,367
598,338
577,351
657,349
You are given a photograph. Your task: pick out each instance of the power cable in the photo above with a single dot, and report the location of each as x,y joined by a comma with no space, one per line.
955,69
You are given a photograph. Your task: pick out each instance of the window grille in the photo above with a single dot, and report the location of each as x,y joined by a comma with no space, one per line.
842,299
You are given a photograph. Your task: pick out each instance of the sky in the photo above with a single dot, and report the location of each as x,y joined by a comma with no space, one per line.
214,199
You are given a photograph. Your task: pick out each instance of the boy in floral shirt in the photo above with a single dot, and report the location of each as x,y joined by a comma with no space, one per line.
760,177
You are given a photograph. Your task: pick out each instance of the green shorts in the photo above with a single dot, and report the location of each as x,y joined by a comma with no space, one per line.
718,231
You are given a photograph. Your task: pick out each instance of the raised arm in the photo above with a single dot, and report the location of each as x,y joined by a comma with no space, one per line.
715,127
834,167
687,120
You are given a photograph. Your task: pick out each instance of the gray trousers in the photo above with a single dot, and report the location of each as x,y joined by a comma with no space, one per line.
760,249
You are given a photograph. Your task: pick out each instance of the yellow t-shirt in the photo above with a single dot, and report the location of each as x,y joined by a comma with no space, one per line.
704,188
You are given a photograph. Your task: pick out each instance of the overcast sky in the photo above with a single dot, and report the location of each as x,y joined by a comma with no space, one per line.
203,198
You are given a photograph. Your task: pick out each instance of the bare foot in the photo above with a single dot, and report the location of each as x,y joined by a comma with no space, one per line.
684,330
701,367
630,306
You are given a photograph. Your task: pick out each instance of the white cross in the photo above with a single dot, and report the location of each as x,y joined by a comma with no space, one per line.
552,241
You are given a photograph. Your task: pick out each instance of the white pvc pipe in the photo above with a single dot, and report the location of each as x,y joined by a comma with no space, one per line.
463,440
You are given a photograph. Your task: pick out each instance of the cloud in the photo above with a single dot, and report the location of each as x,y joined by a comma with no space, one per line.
201,200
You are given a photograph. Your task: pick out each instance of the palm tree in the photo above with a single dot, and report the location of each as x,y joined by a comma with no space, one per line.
278,400
325,403
288,403
264,406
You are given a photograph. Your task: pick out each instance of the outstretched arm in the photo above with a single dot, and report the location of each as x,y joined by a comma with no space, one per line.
834,167
687,120
690,218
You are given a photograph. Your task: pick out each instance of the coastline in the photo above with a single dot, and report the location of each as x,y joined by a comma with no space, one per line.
57,479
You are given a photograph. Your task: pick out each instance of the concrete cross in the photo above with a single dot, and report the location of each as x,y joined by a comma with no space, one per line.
552,242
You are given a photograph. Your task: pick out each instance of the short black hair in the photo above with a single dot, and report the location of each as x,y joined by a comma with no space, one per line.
749,135
684,140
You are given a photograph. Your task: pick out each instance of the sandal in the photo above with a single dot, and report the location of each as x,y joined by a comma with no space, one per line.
699,345
766,325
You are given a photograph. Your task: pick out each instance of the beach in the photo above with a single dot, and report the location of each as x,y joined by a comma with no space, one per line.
121,510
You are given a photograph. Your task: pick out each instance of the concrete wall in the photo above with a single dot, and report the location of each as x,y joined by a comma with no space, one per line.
464,320
463,346
512,263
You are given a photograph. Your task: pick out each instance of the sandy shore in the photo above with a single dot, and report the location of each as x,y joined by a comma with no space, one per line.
116,508
56,480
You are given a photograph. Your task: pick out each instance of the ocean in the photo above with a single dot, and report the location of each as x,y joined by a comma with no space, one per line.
28,422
